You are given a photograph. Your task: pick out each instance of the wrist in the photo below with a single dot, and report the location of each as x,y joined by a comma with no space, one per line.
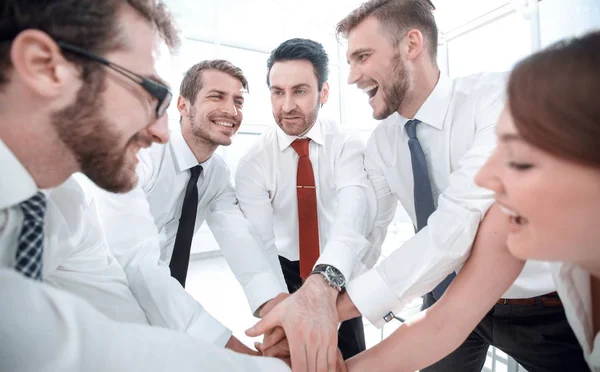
320,285
346,308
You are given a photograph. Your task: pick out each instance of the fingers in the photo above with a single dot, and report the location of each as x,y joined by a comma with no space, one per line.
274,337
270,321
341,364
298,355
280,350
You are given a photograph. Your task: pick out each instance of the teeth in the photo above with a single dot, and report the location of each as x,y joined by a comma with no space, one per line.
224,124
369,88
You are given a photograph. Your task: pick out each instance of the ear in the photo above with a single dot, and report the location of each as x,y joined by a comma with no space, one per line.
415,46
40,65
183,105
324,95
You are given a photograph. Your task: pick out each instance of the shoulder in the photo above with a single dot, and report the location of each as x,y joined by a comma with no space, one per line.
262,145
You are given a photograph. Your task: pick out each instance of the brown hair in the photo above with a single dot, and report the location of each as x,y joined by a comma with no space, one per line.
395,18
192,81
552,96
89,24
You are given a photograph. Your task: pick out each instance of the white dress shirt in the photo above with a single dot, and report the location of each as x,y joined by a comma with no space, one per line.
457,135
46,329
141,226
76,257
346,205
573,287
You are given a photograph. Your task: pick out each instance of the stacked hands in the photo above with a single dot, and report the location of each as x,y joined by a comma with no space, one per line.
301,329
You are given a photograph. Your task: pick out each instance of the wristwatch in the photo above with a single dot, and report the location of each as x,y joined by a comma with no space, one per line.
333,276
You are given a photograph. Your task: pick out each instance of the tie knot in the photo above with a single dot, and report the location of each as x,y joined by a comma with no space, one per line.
195,171
301,146
411,128
35,207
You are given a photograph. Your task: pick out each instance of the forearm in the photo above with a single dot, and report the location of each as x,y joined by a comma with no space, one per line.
64,333
434,333
347,241
167,304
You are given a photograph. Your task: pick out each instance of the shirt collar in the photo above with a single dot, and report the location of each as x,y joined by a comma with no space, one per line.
184,157
16,185
315,134
434,109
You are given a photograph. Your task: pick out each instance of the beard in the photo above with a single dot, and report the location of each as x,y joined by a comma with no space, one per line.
394,94
88,135
307,121
201,136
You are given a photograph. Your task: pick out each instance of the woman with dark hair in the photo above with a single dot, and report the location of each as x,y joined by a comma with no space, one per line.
545,173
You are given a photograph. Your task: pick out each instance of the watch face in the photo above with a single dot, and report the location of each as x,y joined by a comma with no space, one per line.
335,277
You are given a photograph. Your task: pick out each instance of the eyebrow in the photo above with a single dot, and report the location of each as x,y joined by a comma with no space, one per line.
223,93
358,52
302,85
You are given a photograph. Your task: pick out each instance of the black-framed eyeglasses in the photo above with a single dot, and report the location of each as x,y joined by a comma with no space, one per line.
162,94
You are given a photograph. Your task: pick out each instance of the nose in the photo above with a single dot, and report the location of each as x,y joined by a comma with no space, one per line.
489,176
229,108
288,104
159,129
353,74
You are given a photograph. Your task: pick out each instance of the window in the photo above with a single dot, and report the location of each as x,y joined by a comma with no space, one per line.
496,46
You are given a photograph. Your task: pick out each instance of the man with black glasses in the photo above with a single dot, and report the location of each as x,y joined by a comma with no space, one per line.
65,108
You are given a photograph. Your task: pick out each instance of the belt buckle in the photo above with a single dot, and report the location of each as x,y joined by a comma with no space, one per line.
504,301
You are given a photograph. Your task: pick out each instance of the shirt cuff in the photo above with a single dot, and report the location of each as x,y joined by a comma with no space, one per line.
209,329
341,257
373,297
261,289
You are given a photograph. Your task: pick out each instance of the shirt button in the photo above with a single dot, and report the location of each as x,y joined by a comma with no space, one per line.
426,152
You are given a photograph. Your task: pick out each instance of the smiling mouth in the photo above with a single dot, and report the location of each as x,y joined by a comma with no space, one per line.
224,124
371,91
514,216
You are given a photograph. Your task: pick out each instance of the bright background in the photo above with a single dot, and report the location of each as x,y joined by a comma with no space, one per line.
475,35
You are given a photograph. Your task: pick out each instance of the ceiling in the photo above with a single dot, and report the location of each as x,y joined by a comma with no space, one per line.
200,16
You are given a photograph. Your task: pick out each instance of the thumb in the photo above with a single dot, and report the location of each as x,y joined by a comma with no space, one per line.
270,321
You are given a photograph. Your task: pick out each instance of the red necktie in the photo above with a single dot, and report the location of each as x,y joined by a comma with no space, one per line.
308,222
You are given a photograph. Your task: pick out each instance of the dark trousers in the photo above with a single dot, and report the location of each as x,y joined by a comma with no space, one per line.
538,337
351,334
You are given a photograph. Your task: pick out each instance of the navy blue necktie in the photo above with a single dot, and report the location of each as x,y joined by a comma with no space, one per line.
31,240
180,259
424,204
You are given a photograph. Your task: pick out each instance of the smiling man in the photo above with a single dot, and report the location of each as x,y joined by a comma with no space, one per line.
182,184
80,91
435,135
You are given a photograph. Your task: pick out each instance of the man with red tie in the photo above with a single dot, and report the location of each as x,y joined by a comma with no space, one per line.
304,187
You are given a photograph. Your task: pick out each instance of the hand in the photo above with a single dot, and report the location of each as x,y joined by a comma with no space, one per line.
309,319
236,345
280,349
341,365
269,305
